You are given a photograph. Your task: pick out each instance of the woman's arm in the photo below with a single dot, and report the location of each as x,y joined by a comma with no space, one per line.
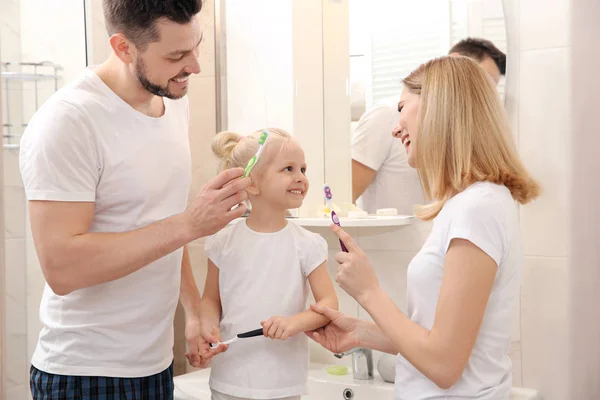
442,353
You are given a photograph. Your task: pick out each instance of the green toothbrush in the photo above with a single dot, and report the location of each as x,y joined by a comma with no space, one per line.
261,141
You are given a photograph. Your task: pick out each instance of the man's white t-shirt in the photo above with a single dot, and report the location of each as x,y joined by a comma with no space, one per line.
486,215
262,275
86,144
396,184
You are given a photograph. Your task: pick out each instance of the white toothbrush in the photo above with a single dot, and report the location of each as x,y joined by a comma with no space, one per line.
254,333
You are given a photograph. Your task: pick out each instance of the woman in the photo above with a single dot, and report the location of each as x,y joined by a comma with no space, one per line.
463,286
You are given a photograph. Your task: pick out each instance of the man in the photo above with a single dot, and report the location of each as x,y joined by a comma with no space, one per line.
381,176
107,170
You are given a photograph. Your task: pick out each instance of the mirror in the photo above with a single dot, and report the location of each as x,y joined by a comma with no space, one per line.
317,67
388,40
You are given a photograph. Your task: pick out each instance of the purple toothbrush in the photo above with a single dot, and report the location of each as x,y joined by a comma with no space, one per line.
334,216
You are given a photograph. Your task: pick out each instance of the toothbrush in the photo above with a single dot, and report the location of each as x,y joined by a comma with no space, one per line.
261,141
254,333
334,216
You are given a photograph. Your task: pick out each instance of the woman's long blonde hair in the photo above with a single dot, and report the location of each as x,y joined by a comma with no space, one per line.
464,134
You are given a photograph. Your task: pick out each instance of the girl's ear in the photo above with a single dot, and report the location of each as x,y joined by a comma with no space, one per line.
252,188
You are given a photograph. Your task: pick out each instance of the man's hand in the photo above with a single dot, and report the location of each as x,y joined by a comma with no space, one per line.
211,210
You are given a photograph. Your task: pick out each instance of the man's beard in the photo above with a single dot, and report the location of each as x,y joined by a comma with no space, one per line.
157,90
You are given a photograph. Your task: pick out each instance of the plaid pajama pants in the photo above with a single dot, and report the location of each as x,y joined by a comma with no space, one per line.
45,386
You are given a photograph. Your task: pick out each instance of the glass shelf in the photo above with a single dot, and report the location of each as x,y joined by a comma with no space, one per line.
27,76
370,221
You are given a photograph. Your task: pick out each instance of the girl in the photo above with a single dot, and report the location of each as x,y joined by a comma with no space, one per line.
258,275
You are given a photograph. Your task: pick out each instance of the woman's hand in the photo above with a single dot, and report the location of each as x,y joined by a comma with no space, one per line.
280,327
355,274
342,334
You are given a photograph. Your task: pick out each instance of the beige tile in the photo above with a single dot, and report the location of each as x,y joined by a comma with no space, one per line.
516,334
16,317
16,358
512,87
12,174
515,356
332,240
199,264
207,47
15,269
14,212
34,325
10,39
545,326
35,277
20,392
408,238
544,24
202,122
391,268
35,290
544,147
346,303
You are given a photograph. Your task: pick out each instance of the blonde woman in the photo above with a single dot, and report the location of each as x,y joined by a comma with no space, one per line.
463,286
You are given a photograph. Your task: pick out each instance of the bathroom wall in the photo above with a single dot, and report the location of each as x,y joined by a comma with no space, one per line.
584,274
539,76
20,25
15,328
2,279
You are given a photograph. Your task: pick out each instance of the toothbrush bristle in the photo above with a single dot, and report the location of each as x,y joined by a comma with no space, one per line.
327,191
263,138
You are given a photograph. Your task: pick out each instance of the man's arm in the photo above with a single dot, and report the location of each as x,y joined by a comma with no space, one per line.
362,176
370,146
73,258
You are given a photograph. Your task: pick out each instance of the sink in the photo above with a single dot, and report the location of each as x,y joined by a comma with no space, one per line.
321,386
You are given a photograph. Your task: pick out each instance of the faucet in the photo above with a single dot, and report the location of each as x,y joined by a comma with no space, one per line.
362,362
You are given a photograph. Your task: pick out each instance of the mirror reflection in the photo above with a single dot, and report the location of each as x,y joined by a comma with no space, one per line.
389,39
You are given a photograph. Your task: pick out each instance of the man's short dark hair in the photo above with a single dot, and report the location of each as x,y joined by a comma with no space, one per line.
136,19
479,49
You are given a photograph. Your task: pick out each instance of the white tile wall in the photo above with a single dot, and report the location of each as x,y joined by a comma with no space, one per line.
544,146
539,107
14,212
515,356
19,392
545,326
12,176
544,24
207,48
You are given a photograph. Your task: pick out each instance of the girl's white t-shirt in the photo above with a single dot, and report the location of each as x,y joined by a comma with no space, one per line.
262,275
486,215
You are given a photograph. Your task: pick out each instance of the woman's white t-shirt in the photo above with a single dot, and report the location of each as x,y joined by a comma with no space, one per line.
262,275
486,215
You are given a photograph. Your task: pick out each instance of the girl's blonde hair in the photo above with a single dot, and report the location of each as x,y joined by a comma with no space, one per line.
235,150
464,135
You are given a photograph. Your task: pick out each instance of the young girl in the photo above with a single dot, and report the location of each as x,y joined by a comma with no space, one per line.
258,275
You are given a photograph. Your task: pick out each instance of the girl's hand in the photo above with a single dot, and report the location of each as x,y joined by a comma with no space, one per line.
280,327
